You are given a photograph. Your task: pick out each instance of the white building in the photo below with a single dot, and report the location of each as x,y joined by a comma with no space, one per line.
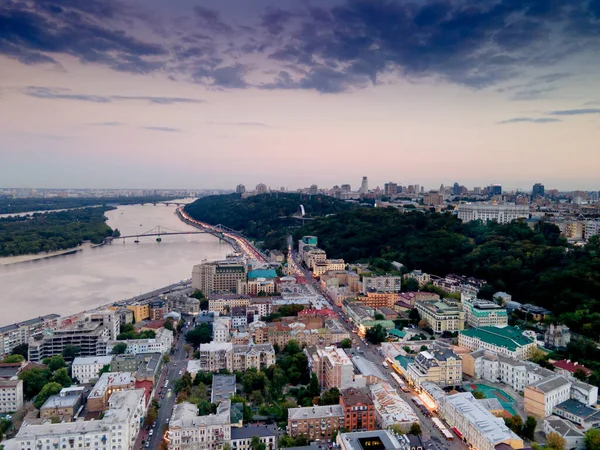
221,332
483,313
11,395
573,436
508,341
476,424
390,409
383,283
162,343
225,355
241,437
189,431
117,430
87,368
487,211
541,397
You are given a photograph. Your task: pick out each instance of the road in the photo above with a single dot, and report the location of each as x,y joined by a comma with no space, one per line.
432,437
165,397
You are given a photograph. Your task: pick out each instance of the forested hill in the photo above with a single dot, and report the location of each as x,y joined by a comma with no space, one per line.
534,266
266,216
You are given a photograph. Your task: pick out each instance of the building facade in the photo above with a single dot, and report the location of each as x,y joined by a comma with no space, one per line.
218,277
359,410
11,395
315,422
486,212
86,369
383,283
332,366
189,431
541,397
441,316
439,365
507,341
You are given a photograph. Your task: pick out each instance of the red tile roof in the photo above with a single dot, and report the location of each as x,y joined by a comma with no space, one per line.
571,366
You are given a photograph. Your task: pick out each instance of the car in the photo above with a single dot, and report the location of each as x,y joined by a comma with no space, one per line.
151,433
167,420
147,444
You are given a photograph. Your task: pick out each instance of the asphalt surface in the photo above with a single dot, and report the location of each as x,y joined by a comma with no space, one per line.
432,437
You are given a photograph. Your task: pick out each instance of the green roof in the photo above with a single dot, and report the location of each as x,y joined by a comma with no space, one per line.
507,337
396,332
403,360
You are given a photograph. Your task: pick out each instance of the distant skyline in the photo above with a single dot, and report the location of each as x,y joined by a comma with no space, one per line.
209,94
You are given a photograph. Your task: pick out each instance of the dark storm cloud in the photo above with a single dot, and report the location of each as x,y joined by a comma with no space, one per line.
275,19
575,112
211,20
530,120
66,94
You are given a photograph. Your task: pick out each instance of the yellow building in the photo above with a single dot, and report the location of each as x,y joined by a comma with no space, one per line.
441,316
140,311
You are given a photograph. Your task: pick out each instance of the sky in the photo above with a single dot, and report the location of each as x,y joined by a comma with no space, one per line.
212,93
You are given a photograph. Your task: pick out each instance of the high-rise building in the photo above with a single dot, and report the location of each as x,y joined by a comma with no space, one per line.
390,188
218,277
417,189
495,189
240,189
456,189
313,190
346,188
364,186
261,188
537,191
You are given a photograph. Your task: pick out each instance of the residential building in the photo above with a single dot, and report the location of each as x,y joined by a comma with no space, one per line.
508,341
189,431
541,397
241,438
238,317
472,422
335,265
64,405
421,277
90,337
366,440
579,413
502,298
583,392
162,343
141,311
110,319
592,228
573,436
377,299
221,331
441,315
219,356
557,336
359,410
223,388
487,212
312,256
390,408
567,367
118,428
483,313
382,283
319,268
11,395
109,382
315,422
311,241
439,365
20,332
158,309
184,304
537,312
218,277
220,303
240,189
86,369
332,367
357,312
410,442
459,284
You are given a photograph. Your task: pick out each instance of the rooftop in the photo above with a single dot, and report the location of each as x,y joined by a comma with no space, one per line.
391,407
248,431
508,337
578,409
547,385
223,387
363,440
185,415
315,412
563,427
570,366
85,360
353,396
111,379
367,367
262,273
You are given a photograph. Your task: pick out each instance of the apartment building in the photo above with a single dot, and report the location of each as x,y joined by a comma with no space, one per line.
106,386
484,313
220,303
421,277
312,256
64,405
390,408
225,355
488,212
141,311
378,439
472,422
441,315
117,430
162,343
541,397
439,365
158,309
315,422
382,283
190,431
90,337
86,369
332,366
507,341
376,299
108,318
311,241
20,332
241,438
359,410
335,264
11,395
219,277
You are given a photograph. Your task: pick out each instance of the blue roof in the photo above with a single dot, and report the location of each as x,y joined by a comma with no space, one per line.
262,273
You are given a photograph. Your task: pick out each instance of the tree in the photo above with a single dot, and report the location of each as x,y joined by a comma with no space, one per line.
151,416
34,380
330,397
478,395
515,423
529,428
376,335
346,343
119,348
199,335
379,316
47,391
411,285
314,389
169,324
555,441
592,439
21,349
105,369
116,233
61,376
55,362
580,374
70,352
255,444
414,315
13,359
415,429
423,323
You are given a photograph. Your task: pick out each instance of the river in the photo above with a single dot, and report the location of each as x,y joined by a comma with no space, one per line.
96,276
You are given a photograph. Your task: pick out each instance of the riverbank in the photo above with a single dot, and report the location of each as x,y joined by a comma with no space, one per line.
8,260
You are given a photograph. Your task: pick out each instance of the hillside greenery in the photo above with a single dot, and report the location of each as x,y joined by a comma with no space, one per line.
534,265
265,217
23,205
52,231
